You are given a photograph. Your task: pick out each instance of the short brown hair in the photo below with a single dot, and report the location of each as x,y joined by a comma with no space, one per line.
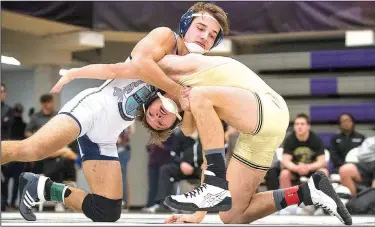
45,98
217,12
305,116
157,136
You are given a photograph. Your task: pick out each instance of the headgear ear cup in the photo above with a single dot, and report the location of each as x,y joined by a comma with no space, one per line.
185,23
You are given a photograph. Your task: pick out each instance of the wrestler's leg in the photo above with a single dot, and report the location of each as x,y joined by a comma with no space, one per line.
54,135
204,107
103,204
238,107
248,207
243,182
209,105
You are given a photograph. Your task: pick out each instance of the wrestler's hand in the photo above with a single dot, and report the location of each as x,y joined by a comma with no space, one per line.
184,98
66,78
197,217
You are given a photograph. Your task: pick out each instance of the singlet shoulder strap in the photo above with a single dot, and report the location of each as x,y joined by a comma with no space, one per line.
176,45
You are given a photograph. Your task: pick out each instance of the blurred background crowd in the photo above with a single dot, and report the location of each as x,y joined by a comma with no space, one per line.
309,56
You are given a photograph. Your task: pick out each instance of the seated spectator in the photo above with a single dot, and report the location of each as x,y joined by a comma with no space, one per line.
158,156
362,172
344,141
272,176
303,153
187,160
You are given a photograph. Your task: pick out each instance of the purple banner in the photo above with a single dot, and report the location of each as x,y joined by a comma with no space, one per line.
244,17
361,112
323,86
343,58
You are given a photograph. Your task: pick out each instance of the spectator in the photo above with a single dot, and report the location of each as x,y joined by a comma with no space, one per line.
187,160
57,167
362,172
158,156
343,142
43,116
14,169
123,148
272,176
303,153
37,120
18,128
6,115
6,123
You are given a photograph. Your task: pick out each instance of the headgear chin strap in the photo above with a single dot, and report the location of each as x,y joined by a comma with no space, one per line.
186,20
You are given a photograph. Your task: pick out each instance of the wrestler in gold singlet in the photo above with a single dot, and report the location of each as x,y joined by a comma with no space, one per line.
256,149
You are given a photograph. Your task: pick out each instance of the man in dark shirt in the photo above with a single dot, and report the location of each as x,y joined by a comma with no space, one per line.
344,141
303,153
6,124
158,156
43,116
186,164
37,120
6,115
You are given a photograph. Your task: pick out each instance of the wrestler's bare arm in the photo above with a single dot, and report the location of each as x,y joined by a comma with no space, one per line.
145,55
176,66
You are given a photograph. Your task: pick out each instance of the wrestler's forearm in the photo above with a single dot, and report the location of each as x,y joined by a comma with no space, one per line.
151,73
121,70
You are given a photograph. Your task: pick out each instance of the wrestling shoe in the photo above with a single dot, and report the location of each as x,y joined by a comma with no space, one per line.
323,195
212,195
31,188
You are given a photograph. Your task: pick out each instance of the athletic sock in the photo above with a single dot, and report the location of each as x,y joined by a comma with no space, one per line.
291,196
55,191
216,162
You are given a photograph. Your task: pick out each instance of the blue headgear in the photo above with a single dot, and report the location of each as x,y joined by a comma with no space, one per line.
185,23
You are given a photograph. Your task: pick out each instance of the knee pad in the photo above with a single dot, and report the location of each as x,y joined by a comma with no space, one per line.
101,209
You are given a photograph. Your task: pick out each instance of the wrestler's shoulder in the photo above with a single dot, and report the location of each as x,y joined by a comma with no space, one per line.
162,30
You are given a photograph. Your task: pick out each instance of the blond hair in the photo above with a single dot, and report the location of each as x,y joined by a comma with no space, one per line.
216,11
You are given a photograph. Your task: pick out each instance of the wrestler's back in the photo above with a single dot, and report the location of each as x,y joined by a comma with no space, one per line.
224,71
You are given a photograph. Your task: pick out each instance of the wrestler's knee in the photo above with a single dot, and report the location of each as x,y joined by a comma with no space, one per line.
101,209
230,217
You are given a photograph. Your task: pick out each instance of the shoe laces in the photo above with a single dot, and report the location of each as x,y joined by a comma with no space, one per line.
324,207
37,202
196,191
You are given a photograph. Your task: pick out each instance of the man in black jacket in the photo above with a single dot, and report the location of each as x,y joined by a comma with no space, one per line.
344,141
187,160
6,126
6,115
